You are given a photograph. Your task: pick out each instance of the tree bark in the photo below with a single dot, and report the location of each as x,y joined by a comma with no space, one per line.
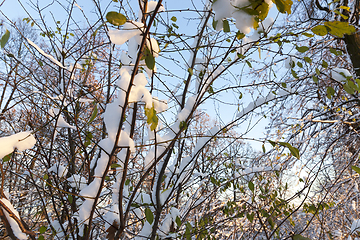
353,48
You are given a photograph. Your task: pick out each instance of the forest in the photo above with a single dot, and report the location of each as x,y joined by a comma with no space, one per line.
192,119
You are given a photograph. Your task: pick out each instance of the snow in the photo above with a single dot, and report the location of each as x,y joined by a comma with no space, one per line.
60,121
128,31
14,226
133,46
151,5
20,141
145,231
289,62
91,190
139,92
57,226
84,214
58,169
252,105
77,181
204,140
159,105
355,226
51,58
185,112
340,74
154,46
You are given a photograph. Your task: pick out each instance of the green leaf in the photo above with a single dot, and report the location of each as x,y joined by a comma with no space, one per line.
42,229
41,237
315,79
337,53
149,60
70,198
173,18
302,49
272,143
348,89
251,186
127,182
263,10
115,165
283,85
46,177
94,114
226,26
345,8
320,30
188,231
338,28
263,148
330,92
183,125
178,221
307,34
240,35
299,237
356,169
5,38
317,71
116,18
307,59
299,64
191,72
324,64
149,215
88,138
293,150
294,73
284,6
152,119
250,217
214,24
6,158
248,63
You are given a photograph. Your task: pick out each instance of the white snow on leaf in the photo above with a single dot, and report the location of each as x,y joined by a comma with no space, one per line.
20,141
129,30
51,58
14,226
58,169
340,74
154,46
231,9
